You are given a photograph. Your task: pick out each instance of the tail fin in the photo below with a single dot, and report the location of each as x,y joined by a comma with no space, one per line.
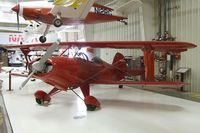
119,61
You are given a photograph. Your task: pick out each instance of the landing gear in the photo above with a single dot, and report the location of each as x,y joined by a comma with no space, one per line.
42,39
91,103
57,22
42,97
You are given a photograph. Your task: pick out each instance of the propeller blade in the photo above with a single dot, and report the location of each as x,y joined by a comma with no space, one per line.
49,52
26,81
18,21
16,9
38,65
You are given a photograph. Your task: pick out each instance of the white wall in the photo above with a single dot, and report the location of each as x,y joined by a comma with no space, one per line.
186,27
118,31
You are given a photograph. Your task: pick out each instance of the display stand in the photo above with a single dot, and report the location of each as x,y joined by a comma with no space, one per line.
183,71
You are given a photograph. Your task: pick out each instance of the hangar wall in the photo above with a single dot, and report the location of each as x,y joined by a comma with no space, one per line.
185,24
116,31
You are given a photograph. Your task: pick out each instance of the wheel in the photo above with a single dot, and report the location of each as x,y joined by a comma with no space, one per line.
120,86
39,101
42,97
42,39
126,23
91,107
57,22
33,79
91,103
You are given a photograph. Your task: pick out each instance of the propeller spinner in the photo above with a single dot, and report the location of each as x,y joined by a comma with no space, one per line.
39,66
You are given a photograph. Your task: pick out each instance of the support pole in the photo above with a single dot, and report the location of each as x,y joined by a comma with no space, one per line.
9,81
9,89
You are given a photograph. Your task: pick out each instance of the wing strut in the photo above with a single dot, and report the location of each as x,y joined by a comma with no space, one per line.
149,64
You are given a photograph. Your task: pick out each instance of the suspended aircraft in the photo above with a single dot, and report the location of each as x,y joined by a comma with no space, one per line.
66,74
59,13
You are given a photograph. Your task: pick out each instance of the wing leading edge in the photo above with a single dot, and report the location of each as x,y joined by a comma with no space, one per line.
154,45
146,83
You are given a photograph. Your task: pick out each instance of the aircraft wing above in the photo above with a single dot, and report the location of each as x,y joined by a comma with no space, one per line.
165,46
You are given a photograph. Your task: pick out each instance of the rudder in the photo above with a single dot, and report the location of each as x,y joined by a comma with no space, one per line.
119,61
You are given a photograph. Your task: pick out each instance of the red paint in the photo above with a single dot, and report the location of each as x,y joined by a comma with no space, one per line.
16,8
44,15
92,101
149,64
164,46
71,73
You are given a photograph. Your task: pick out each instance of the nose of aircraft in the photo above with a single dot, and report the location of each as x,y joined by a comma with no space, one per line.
16,8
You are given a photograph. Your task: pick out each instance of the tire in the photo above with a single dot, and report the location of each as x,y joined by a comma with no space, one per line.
91,107
57,22
42,39
39,101
120,86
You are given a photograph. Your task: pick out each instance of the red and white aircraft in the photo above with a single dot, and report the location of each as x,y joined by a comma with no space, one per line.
78,12
70,73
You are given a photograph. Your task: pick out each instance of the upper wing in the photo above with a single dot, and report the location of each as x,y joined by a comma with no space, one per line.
165,46
77,9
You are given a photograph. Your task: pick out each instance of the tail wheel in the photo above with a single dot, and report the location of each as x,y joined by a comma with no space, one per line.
120,86
57,22
42,97
42,39
91,103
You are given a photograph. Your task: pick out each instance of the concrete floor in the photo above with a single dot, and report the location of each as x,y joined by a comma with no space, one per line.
125,110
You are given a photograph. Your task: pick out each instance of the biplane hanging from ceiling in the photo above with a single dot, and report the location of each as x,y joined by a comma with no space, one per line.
70,13
70,73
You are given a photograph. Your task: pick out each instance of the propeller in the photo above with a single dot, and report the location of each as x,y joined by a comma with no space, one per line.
18,21
26,81
39,66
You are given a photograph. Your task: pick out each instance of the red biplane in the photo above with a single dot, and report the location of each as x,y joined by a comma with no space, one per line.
46,12
70,73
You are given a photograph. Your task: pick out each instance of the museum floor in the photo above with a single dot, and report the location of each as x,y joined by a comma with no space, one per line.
126,110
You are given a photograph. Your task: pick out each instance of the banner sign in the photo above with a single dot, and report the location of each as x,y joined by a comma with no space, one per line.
17,38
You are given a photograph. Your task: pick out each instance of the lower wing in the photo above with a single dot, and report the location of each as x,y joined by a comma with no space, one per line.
146,83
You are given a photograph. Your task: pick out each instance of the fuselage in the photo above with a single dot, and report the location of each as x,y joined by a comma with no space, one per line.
74,72
41,11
